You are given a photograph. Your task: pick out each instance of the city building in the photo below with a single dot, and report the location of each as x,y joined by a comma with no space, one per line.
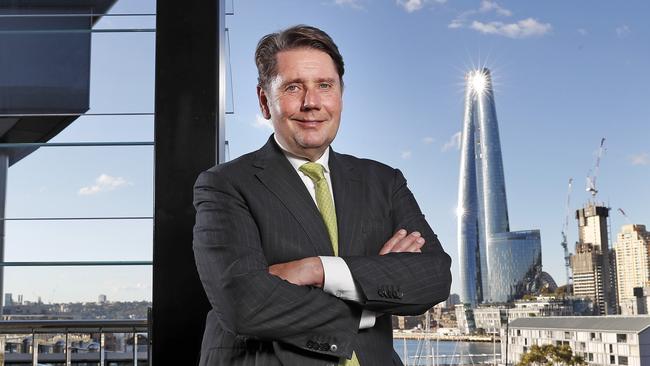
491,318
592,264
102,299
599,340
632,250
452,301
496,265
465,319
637,305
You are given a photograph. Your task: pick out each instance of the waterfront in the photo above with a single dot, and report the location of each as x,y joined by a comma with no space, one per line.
446,352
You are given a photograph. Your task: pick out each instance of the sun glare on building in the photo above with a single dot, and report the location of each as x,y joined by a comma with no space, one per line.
478,81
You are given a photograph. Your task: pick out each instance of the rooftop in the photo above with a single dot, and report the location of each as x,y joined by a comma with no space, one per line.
600,323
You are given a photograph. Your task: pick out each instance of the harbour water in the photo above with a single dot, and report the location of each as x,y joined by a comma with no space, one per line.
446,352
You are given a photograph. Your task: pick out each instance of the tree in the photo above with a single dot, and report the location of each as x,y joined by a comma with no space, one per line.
549,355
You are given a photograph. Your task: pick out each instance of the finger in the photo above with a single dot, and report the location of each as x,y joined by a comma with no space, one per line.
417,246
388,246
405,243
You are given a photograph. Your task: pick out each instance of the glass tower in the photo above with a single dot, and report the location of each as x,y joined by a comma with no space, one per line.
487,249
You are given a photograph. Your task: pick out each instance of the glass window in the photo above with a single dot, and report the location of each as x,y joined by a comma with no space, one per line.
621,338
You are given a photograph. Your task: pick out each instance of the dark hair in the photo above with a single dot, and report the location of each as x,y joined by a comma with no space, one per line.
298,36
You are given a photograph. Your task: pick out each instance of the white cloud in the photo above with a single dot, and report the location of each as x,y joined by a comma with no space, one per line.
454,142
355,4
262,123
415,5
456,23
406,154
411,5
522,29
623,31
104,183
488,6
583,31
640,159
428,140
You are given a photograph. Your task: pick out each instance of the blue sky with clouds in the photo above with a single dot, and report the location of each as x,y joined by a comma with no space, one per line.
566,74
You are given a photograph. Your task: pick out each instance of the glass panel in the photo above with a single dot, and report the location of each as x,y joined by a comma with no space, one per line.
79,240
83,348
109,128
76,292
82,182
126,22
118,83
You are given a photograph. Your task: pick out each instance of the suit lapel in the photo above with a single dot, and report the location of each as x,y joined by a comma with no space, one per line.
281,179
348,191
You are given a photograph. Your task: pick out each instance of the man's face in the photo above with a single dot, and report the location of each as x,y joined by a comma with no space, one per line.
304,101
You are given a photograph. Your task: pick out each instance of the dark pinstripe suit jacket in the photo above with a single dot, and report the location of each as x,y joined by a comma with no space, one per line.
255,211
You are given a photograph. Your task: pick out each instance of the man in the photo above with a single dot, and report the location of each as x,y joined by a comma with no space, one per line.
305,253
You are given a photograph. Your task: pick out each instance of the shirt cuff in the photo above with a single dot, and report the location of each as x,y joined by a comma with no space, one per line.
338,279
368,318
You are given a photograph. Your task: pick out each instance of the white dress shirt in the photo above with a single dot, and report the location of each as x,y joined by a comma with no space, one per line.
338,278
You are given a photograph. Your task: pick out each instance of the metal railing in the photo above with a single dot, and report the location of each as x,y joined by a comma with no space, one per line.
62,342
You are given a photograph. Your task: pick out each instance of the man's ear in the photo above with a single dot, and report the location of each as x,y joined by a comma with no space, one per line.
264,102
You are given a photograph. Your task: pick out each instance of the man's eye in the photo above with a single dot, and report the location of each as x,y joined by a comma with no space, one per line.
325,85
292,88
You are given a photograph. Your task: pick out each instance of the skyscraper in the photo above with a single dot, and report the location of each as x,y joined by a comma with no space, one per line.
593,277
632,251
496,265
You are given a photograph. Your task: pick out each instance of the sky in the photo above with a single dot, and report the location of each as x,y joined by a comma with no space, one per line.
566,74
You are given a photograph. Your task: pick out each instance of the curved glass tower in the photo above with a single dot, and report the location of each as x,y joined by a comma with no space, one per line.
482,206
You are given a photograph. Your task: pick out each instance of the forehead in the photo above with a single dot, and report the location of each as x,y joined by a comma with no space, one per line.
305,63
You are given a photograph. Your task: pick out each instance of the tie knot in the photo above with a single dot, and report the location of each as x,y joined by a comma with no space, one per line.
314,171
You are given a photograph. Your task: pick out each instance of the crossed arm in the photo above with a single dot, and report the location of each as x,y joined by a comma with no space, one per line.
309,271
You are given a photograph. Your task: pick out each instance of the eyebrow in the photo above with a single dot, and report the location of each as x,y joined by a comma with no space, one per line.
302,81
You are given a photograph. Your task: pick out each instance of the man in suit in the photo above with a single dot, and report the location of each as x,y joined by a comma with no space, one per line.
305,253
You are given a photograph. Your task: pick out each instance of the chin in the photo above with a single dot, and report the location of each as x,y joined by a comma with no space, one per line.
313,143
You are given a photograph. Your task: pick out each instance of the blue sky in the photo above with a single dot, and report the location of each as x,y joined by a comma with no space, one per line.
566,75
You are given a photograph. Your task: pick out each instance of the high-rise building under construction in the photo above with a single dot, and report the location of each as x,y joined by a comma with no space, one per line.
592,264
496,265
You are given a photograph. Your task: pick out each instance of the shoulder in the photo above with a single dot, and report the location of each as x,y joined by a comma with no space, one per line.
370,170
231,171
367,167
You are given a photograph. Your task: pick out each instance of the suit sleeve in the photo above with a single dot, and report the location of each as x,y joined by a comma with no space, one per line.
250,301
404,283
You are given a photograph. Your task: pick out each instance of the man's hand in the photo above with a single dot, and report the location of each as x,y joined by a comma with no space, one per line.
401,242
301,272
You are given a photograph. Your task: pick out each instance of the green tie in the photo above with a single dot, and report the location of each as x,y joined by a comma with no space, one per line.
316,173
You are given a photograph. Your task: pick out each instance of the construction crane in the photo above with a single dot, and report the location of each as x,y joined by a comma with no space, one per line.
591,178
565,245
627,219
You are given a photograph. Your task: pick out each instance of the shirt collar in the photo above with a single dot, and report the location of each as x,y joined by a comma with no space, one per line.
297,161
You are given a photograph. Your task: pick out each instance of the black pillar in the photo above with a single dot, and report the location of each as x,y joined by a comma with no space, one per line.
186,114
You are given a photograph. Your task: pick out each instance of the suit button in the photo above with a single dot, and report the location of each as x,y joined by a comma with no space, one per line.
310,344
333,348
324,346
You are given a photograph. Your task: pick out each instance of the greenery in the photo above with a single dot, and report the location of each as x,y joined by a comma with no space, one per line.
549,355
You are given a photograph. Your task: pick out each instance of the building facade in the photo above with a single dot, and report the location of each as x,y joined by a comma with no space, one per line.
485,244
632,251
491,318
592,264
599,340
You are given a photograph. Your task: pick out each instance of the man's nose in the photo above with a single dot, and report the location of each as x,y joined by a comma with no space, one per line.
311,99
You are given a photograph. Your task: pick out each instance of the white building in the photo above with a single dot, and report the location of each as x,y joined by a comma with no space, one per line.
632,250
491,318
600,340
